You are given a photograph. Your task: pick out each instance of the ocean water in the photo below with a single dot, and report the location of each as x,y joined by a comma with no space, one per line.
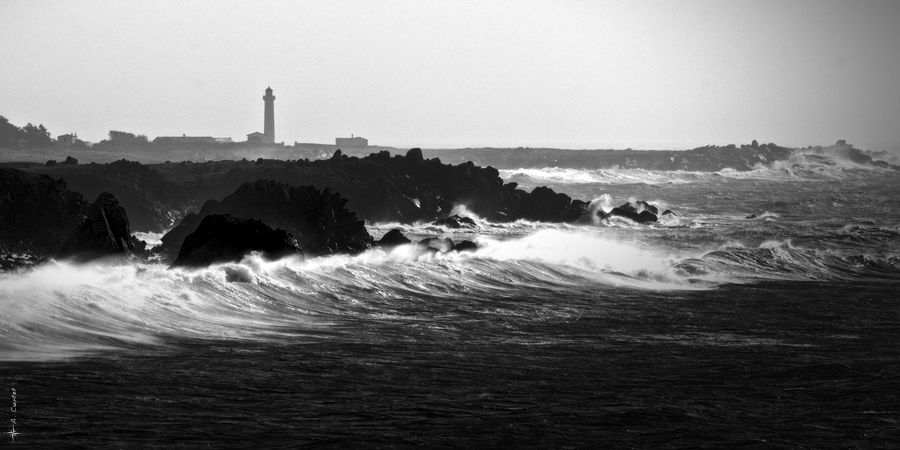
708,329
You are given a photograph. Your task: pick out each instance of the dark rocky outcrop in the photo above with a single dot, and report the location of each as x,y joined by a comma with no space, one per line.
444,245
40,218
105,231
36,211
393,238
465,246
318,219
455,221
152,201
224,238
647,206
379,187
640,212
668,212
406,189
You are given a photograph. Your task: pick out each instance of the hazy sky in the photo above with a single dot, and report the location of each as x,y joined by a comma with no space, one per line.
591,74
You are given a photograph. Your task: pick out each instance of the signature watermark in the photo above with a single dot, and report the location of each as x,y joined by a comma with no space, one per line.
12,420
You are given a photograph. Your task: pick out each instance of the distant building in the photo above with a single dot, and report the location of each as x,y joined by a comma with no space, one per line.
268,134
352,141
67,139
257,138
189,140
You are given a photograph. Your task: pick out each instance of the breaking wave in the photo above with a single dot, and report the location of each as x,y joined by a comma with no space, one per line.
59,310
802,165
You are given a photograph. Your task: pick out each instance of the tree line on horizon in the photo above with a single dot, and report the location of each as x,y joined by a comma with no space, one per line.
29,136
33,136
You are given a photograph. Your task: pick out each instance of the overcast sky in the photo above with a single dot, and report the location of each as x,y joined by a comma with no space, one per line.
591,74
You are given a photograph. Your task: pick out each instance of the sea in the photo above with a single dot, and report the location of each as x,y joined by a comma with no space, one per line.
763,313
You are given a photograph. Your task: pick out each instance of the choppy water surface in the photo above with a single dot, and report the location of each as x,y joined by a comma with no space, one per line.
707,329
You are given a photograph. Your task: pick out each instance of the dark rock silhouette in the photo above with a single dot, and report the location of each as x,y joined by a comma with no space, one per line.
378,187
223,238
105,231
546,205
601,214
150,198
415,155
455,221
640,212
444,245
37,212
464,246
319,220
668,212
393,238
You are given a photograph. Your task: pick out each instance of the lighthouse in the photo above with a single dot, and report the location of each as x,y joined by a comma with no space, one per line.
269,124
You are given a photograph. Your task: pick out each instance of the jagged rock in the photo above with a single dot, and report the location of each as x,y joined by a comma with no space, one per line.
379,187
415,155
601,214
434,244
319,220
37,213
648,206
455,221
224,238
751,216
669,212
464,246
149,197
638,212
548,206
393,238
105,231
444,245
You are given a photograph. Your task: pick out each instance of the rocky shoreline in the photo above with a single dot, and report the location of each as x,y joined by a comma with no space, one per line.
228,208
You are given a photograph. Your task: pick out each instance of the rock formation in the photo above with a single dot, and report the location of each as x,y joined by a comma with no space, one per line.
40,217
223,238
37,211
640,212
318,219
105,231
455,221
444,245
393,238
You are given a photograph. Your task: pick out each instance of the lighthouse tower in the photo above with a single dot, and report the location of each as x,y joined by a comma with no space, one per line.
269,125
